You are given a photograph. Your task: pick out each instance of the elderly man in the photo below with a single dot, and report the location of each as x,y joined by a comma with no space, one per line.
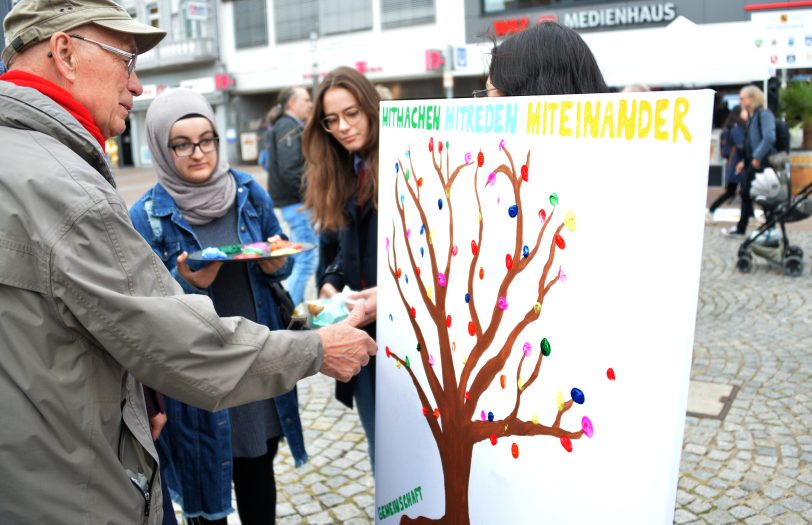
87,311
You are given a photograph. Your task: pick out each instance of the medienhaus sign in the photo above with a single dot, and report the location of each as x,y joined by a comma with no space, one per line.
621,15
581,19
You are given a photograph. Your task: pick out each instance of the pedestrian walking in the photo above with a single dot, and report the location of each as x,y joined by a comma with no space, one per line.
758,145
286,165
731,143
89,311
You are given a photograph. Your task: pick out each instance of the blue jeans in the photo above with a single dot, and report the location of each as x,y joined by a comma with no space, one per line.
301,230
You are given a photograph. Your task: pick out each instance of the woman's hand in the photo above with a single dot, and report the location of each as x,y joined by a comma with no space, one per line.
327,291
368,300
270,266
202,278
740,166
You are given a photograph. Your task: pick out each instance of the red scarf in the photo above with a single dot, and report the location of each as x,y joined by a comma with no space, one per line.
58,95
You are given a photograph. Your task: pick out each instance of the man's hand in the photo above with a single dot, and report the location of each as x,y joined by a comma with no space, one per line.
756,164
203,277
368,300
156,424
346,349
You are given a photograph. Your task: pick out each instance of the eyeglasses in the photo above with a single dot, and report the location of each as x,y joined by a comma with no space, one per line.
350,115
130,57
187,149
483,92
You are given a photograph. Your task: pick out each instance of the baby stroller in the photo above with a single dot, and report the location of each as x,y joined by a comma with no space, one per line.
771,191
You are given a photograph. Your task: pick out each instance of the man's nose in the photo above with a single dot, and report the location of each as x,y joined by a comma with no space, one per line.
134,85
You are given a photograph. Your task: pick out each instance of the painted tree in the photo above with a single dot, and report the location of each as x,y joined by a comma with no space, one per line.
450,400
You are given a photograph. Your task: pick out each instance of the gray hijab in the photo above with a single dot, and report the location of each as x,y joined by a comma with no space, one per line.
200,203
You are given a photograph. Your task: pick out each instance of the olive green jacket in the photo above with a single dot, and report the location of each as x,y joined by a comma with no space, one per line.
87,313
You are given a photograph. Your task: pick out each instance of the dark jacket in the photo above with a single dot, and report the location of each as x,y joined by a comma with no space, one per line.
760,136
356,266
734,152
285,161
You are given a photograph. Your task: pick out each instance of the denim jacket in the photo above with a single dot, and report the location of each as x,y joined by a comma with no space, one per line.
161,223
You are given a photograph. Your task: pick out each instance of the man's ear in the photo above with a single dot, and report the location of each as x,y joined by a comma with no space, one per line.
62,51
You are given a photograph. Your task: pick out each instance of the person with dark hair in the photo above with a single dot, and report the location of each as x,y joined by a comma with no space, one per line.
340,144
547,59
89,312
731,144
285,166
759,140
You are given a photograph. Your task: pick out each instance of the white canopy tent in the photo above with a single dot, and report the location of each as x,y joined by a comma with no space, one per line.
680,54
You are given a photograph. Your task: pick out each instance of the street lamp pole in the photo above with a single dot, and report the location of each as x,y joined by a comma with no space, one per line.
314,44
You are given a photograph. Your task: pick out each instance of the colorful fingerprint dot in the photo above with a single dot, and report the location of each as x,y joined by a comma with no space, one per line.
569,220
577,396
586,426
545,347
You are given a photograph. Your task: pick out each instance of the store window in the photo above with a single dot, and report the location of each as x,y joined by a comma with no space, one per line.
345,16
401,13
154,15
499,6
298,19
250,23
295,19
195,16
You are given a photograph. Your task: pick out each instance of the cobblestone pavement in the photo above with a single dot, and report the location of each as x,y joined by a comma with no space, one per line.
753,331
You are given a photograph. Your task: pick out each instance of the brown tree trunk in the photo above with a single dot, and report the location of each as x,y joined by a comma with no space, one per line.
806,138
456,459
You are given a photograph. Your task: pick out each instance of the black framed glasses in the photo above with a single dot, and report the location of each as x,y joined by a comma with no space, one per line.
351,116
477,93
130,58
187,149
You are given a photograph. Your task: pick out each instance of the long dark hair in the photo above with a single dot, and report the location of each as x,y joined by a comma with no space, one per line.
734,117
329,171
547,59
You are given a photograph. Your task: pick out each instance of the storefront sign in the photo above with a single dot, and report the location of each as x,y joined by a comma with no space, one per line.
621,16
785,37
642,14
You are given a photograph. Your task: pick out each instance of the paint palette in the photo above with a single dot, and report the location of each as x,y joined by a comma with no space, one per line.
255,251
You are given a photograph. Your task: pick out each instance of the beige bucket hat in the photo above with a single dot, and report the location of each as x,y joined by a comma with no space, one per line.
33,21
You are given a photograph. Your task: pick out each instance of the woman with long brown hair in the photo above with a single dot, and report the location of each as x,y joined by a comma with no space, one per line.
340,145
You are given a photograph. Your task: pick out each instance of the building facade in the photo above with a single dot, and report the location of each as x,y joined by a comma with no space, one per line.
189,56
242,53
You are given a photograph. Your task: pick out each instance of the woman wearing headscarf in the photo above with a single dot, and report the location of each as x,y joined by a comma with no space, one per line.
199,201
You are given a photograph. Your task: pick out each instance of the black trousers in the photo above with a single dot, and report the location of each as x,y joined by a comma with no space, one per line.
255,487
729,193
747,201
